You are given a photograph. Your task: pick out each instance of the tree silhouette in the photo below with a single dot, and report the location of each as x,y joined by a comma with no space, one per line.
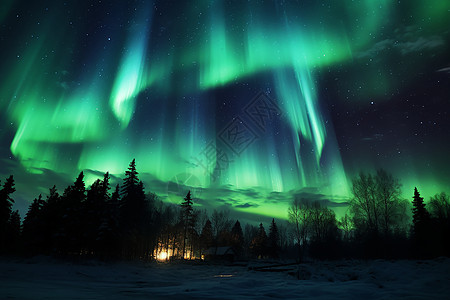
70,234
440,206
207,237
109,231
33,227
376,205
423,235
440,211
188,220
420,214
130,224
393,209
221,222
94,210
346,225
133,211
300,217
237,238
274,240
6,203
259,243
14,232
52,213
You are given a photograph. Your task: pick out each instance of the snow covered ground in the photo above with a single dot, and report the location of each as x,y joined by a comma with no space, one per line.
45,278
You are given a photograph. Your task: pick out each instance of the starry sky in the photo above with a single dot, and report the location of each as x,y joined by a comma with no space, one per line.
246,103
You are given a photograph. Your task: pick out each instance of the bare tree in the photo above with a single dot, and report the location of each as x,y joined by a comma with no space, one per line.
202,217
221,221
388,198
376,204
346,225
299,218
283,233
322,222
440,206
363,204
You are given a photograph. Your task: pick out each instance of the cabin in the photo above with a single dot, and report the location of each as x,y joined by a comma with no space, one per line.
220,253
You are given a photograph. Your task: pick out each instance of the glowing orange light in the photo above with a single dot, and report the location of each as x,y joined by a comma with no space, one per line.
162,255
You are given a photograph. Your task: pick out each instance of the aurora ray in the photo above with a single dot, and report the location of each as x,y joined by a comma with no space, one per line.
90,86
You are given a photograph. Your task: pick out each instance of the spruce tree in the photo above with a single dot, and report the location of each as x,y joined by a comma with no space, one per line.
6,203
133,199
14,232
422,232
237,238
95,213
207,236
116,194
109,231
33,226
71,233
259,243
52,219
274,240
133,210
131,180
188,220
420,213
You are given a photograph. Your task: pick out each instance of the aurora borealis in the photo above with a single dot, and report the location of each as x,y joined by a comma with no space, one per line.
247,104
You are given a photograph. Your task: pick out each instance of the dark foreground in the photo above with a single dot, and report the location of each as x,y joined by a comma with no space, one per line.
44,278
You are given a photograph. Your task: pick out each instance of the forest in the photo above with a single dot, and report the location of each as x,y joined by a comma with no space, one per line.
126,223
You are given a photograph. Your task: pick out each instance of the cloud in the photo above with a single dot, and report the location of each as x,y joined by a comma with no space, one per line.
251,193
374,137
30,185
246,205
407,40
331,203
312,194
445,70
376,49
420,44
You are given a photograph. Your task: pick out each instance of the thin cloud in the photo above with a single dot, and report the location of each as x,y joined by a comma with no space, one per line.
445,70
246,205
407,40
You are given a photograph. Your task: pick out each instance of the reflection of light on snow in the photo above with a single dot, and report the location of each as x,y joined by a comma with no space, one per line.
162,255
223,275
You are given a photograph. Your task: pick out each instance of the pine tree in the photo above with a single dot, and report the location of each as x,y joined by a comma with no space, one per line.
207,236
116,194
33,229
188,220
14,232
6,203
274,240
71,233
133,211
131,179
53,220
237,238
420,213
109,231
259,243
133,199
95,213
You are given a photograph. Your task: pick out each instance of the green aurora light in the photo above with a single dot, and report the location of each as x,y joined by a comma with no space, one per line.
91,88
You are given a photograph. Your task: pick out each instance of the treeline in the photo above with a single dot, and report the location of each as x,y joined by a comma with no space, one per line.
125,222
378,223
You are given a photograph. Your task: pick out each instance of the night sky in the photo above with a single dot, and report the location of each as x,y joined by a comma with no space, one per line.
248,104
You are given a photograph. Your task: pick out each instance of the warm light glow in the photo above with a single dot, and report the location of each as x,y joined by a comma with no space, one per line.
162,255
